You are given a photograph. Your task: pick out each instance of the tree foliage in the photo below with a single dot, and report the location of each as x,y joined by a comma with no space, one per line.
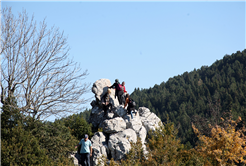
225,145
163,146
37,81
136,156
77,125
190,95
27,141
55,138
21,148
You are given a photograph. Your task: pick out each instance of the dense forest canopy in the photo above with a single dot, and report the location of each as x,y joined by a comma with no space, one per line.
194,94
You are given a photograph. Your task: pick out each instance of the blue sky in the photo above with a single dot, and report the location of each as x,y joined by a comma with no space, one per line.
143,43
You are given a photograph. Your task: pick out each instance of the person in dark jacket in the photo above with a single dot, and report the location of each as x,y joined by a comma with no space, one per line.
118,90
130,107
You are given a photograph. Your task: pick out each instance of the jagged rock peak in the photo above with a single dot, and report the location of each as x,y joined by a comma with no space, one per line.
119,129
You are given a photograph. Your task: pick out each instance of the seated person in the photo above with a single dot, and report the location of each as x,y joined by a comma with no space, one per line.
106,101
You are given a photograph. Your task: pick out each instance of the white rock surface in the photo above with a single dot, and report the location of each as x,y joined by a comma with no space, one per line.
119,143
134,123
100,88
113,125
99,138
98,151
149,120
99,147
120,111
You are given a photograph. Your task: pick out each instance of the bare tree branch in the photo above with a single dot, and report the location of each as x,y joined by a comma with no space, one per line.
35,68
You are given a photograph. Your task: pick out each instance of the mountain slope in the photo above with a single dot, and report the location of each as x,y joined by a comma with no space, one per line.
183,96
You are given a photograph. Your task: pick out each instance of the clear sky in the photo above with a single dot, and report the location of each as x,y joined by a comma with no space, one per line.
143,43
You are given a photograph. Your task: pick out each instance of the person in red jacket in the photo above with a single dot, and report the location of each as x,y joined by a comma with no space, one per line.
123,85
124,92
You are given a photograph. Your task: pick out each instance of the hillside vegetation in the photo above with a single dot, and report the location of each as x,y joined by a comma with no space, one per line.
200,95
190,105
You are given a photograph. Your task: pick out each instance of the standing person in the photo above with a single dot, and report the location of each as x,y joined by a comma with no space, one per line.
124,88
124,92
85,151
131,105
118,90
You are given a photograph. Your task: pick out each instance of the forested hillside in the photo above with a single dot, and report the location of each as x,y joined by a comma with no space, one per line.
199,94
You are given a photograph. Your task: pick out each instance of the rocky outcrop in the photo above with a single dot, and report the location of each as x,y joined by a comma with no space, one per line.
119,143
99,147
119,129
113,125
100,87
149,120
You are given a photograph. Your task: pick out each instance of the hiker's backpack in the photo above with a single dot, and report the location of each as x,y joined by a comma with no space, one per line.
132,103
119,87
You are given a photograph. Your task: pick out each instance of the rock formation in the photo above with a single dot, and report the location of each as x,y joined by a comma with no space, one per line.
119,129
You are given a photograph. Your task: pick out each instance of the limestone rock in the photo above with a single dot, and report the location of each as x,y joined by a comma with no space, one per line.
99,147
98,151
149,120
119,143
97,116
99,138
129,134
120,111
75,156
144,112
134,123
119,129
114,125
100,88
142,133
110,115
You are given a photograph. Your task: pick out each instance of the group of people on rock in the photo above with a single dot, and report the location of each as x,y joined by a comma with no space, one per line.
120,91
85,151
123,98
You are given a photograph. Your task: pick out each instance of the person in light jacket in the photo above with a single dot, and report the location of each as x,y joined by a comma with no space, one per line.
85,151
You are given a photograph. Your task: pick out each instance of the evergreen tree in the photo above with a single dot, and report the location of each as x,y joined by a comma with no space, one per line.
192,91
78,126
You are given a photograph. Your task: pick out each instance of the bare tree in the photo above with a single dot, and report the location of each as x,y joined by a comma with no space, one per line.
35,68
